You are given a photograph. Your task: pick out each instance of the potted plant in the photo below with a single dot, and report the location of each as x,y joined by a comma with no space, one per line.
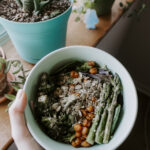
36,27
92,9
12,77
5,78
103,7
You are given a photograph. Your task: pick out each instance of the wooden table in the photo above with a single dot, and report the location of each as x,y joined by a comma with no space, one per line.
77,34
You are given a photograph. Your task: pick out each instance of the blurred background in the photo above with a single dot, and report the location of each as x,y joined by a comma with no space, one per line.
129,42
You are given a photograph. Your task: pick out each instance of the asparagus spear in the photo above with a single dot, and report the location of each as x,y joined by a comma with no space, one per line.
116,118
100,130
103,96
101,127
117,86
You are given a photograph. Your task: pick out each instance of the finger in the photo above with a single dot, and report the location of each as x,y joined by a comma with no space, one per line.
20,133
16,113
20,102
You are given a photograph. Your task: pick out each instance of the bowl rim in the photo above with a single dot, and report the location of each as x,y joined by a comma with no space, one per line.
114,59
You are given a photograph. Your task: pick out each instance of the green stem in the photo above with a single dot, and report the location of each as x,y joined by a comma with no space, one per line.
36,5
19,3
28,5
43,3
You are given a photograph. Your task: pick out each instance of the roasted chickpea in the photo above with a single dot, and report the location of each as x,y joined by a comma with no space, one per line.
77,127
89,124
83,138
85,131
90,116
91,63
84,112
90,108
78,134
77,94
71,85
85,80
77,141
74,144
93,70
74,74
85,144
93,99
86,123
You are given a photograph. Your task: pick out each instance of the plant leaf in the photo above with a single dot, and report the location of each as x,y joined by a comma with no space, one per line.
21,77
10,97
15,63
36,5
16,88
2,60
16,82
43,3
18,70
8,65
27,70
19,3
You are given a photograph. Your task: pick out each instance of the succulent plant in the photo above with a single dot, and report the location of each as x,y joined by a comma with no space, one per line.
18,71
32,5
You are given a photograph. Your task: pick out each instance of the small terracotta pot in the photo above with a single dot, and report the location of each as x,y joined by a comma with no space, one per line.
5,77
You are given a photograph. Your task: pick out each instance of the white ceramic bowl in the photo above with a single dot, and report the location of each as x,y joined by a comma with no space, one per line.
56,59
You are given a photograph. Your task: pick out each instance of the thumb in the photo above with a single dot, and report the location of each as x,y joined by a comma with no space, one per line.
16,113
20,133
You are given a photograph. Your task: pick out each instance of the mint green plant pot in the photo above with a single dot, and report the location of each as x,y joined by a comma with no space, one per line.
103,7
35,40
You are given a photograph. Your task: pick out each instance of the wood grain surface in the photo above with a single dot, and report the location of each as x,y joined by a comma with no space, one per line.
77,34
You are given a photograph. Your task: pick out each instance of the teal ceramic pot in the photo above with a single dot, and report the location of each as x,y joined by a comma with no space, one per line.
35,40
103,7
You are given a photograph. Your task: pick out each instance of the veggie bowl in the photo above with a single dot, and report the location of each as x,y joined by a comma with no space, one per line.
82,97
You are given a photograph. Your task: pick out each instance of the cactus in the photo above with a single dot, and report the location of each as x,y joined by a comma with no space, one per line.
32,5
